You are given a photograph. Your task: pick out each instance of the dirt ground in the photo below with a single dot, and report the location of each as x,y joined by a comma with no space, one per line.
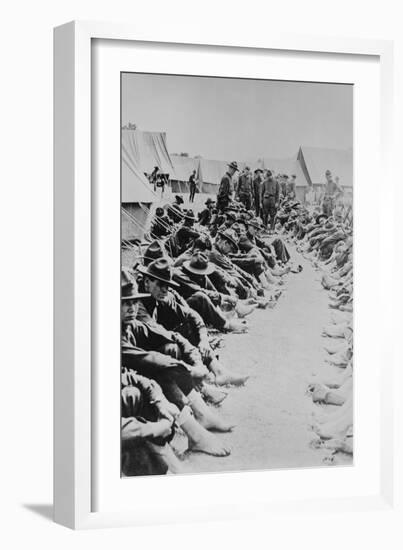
283,353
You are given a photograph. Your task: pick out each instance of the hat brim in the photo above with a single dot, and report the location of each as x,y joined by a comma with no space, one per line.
253,224
231,241
233,167
153,276
206,271
135,296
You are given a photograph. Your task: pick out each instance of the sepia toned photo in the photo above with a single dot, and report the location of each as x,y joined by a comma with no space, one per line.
236,274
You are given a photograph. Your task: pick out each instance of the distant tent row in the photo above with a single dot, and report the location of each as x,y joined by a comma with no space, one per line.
142,151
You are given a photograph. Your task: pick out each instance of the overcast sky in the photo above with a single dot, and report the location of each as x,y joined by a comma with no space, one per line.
238,119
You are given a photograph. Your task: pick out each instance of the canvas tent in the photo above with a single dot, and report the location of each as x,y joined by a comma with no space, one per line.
316,160
210,173
141,152
183,167
147,150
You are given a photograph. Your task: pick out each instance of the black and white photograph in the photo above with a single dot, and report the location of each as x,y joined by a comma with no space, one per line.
236,274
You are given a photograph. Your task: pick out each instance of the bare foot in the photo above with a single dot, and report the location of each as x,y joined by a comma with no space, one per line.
212,394
209,444
228,379
318,392
245,309
199,371
235,325
210,421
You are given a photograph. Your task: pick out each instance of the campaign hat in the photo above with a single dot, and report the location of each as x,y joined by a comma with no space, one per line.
130,291
159,269
199,264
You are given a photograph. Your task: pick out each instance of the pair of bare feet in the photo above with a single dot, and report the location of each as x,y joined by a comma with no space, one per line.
238,326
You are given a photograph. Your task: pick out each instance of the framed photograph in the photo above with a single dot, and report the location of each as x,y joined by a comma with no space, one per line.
222,337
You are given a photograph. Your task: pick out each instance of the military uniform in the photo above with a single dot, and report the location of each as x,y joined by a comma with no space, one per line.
160,227
148,349
192,187
332,191
205,217
257,188
270,195
244,190
224,192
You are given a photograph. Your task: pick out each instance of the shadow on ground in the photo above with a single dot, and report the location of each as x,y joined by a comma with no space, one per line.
43,510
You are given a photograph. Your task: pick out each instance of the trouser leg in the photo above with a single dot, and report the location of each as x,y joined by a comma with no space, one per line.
210,314
282,253
273,211
265,211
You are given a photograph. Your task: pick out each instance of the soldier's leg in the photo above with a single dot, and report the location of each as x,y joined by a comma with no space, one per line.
210,314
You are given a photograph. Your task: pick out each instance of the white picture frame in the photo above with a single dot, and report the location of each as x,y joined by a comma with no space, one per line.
75,471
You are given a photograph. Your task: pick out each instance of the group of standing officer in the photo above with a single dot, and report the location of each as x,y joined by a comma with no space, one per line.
260,191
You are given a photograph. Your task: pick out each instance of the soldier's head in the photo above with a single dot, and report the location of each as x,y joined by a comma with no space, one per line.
226,242
158,278
209,203
232,168
253,227
189,219
130,297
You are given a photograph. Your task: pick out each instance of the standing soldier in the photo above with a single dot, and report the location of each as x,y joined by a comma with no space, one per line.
244,189
257,189
153,177
283,184
291,191
332,192
192,186
270,195
206,214
225,190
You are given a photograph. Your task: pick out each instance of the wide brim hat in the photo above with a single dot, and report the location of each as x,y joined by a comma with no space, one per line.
153,252
227,235
130,291
231,214
199,265
254,223
258,170
209,201
159,269
189,215
179,199
233,165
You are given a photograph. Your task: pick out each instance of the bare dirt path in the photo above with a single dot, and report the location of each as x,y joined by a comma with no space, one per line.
283,353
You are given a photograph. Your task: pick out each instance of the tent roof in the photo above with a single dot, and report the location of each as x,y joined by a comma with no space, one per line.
148,148
183,167
211,171
338,161
141,151
135,186
287,166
